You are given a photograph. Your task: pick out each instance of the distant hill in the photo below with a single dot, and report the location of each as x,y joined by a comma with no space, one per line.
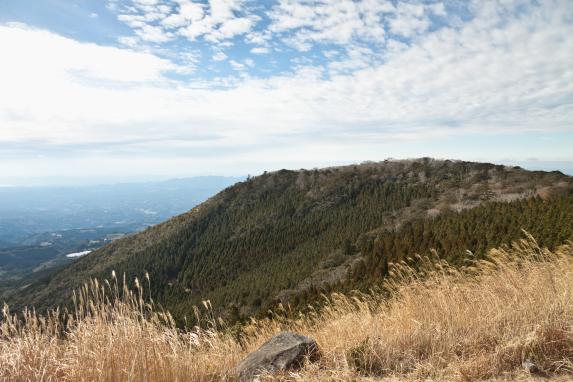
287,236
39,226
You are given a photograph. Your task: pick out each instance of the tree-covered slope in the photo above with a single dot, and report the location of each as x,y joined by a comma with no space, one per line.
253,241
452,234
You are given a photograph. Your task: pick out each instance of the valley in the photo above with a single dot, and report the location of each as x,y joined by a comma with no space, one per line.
41,226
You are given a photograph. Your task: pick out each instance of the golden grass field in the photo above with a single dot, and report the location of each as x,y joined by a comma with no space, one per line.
440,323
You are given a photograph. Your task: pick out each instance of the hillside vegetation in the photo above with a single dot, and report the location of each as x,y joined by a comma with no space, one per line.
288,236
478,322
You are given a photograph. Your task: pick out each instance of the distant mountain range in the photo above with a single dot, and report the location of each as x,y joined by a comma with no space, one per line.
39,226
288,236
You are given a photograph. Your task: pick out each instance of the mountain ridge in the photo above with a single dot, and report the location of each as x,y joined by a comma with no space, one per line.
254,240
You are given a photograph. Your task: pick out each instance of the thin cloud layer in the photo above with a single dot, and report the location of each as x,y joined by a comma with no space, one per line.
367,73
297,24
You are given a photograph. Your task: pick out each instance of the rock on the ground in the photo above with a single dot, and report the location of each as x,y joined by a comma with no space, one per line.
285,351
530,366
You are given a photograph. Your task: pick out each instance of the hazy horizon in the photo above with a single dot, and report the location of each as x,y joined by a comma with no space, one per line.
533,165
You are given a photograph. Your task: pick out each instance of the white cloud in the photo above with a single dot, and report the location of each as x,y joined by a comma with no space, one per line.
411,19
260,50
300,24
356,57
131,42
438,9
233,27
223,10
61,85
153,34
33,53
216,21
146,2
134,21
237,65
258,37
219,56
329,21
188,12
492,74
303,24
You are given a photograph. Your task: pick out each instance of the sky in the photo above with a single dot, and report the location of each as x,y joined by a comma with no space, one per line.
125,89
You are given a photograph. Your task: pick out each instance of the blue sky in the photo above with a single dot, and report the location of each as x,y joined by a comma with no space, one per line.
163,88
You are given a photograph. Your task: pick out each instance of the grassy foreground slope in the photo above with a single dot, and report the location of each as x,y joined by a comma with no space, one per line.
289,236
441,323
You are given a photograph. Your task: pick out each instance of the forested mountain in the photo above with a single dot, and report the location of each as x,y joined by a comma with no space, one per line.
286,236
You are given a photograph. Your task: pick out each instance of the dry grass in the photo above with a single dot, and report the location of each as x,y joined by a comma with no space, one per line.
476,323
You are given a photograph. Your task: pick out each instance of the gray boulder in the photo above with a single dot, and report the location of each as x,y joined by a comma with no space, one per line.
530,366
285,351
